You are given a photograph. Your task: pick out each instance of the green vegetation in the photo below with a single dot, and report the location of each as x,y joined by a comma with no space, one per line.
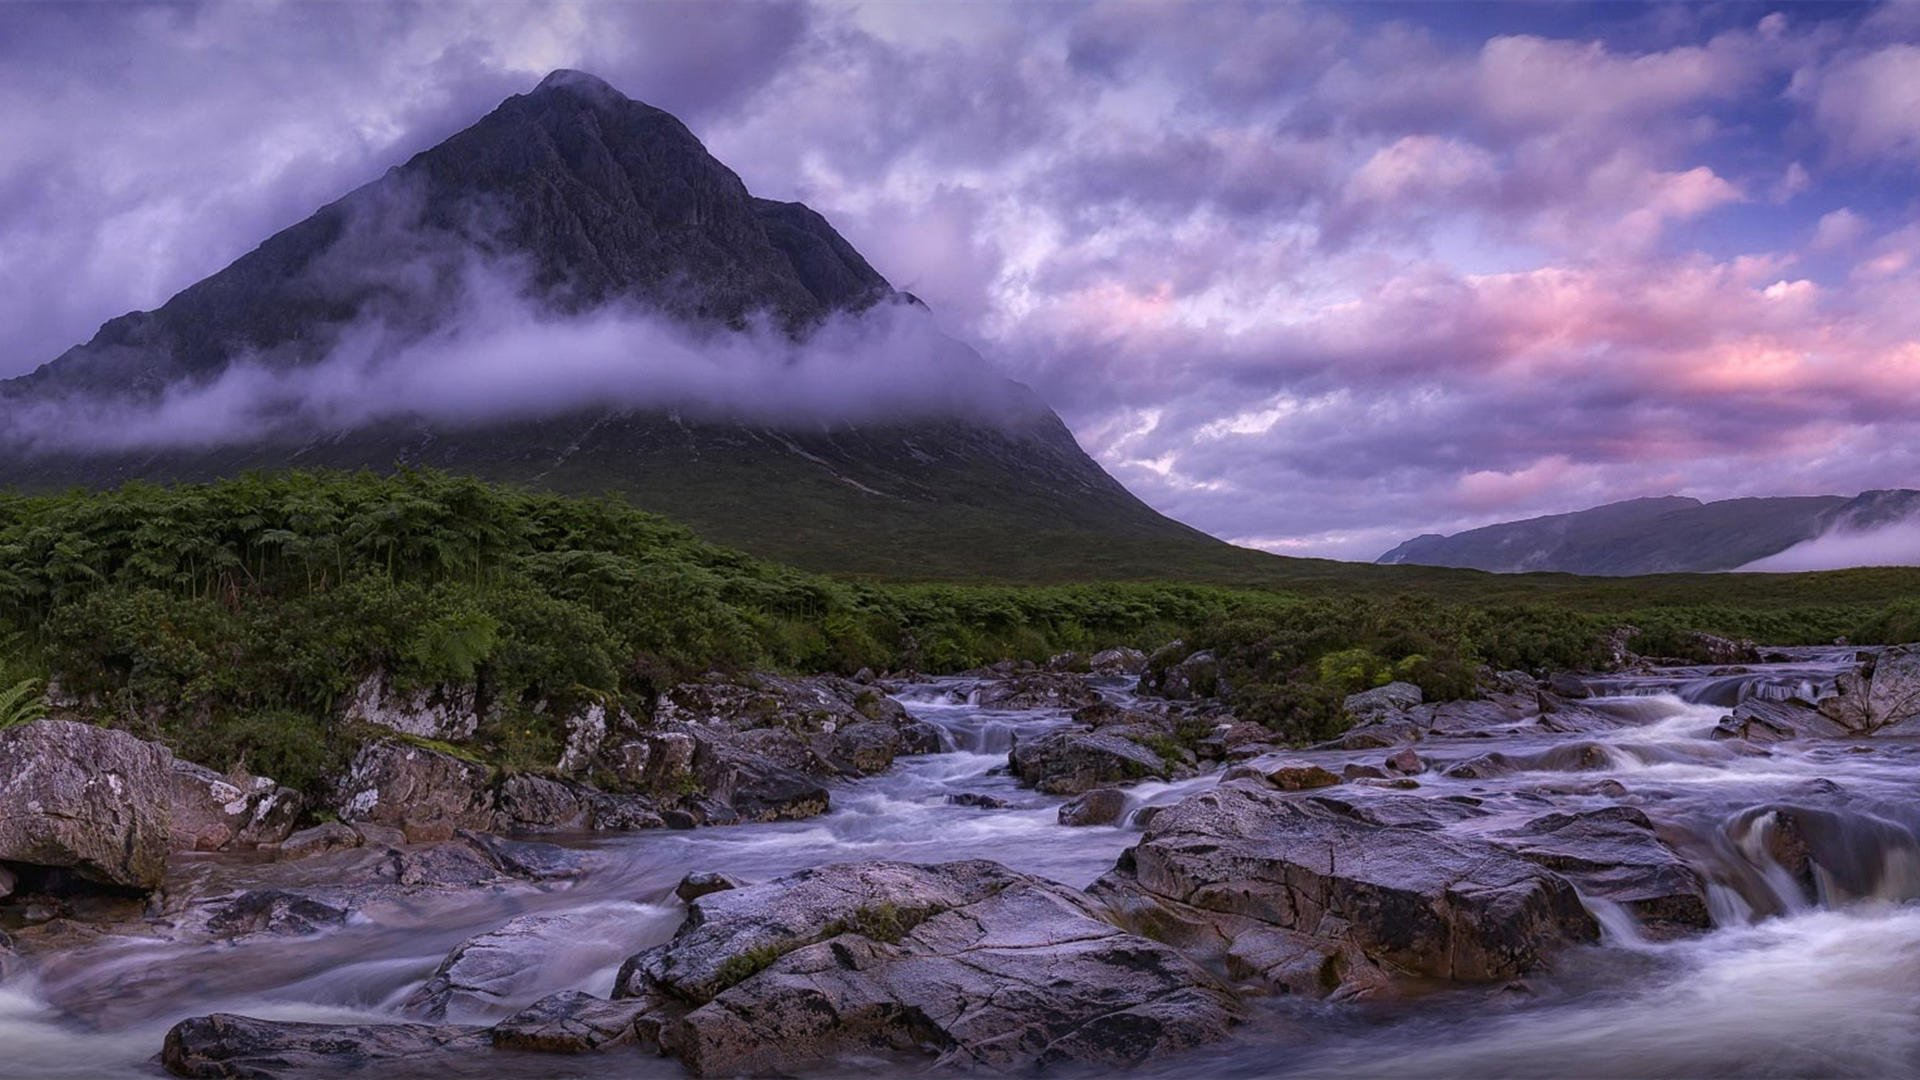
233,619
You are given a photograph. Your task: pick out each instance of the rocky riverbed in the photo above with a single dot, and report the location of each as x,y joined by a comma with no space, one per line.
1661,871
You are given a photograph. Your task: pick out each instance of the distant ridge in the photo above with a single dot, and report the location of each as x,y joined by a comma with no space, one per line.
1663,535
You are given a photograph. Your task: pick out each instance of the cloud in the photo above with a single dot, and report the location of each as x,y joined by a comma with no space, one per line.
1897,544
496,356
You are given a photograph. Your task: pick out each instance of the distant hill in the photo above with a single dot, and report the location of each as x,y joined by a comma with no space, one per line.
1660,535
601,201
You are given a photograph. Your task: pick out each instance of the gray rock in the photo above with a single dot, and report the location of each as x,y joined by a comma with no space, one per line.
1193,676
214,813
273,911
1382,703
1882,693
701,882
425,793
978,800
1117,661
499,969
1068,761
754,786
1615,854
224,1045
968,963
569,1022
536,803
1318,895
323,839
1762,721
88,799
1037,690
446,713
586,734
1101,806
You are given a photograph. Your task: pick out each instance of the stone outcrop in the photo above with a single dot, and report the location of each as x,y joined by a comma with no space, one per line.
1319,895
226,1046
1881,695
87,800
1382,703
971,964
426,793
212,812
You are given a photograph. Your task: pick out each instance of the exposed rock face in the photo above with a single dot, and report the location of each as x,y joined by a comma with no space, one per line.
970,963
1762,721
1069,761
586,734
446,713
1881,695
1382,702
570,1022
226,1046
214,813
1320,895
87,799
1038,690
1178,674
1614,854
425,793
495,968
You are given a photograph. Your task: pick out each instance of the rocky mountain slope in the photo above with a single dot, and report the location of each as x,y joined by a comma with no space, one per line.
1659,535
587,201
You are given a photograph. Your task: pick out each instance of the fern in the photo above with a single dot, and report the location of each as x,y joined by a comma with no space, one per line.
22,703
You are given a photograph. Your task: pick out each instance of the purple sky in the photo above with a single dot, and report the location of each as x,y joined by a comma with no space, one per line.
1312,278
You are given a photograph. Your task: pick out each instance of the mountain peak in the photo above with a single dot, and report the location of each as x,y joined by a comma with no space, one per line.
579,82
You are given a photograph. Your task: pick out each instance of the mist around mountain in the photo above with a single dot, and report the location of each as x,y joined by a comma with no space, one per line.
1674,534
573,294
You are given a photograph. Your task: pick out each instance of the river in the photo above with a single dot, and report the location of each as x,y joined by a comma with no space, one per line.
1783,985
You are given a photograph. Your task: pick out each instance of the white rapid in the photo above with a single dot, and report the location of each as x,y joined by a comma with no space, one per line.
1811,969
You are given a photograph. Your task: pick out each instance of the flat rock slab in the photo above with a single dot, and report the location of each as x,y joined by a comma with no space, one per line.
1374,877
1614,854
226,1046
969,963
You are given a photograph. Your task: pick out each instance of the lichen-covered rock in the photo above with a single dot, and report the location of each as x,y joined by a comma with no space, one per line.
570,1022
212,812
969,963
1318,895
1762,721
446,713
1117,661
1382,703
586,733
425,793
90,800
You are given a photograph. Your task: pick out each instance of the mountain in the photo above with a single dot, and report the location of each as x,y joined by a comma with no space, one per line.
1661,535
588,202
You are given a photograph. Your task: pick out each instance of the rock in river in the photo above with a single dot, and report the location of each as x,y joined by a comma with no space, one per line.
87,799
1318,894
969,963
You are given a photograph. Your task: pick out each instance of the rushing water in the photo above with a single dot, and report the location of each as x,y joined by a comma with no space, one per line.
1782,986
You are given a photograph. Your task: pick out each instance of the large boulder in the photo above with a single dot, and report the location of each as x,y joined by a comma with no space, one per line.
89,800
755,786
498,970
1320,895
1070,761
1614,854
212,812
1382,703
968,963
426,793
225,1046
1882,694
